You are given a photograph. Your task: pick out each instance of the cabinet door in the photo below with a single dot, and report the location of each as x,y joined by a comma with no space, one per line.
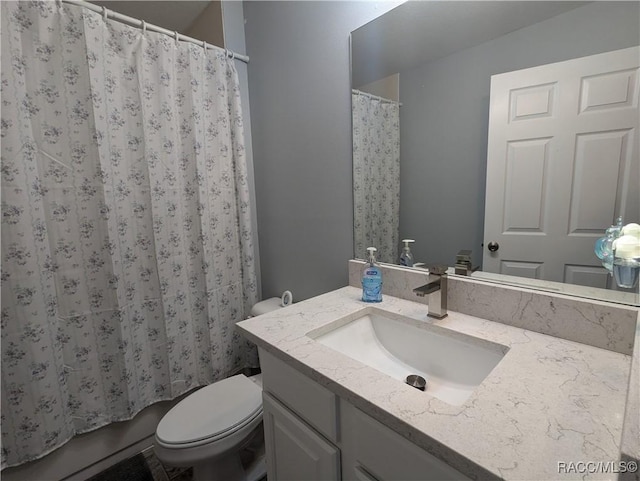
296,452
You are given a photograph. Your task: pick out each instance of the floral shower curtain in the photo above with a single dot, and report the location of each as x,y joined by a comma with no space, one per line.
376,176
127,250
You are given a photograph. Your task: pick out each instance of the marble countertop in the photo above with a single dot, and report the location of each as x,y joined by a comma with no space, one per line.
548,401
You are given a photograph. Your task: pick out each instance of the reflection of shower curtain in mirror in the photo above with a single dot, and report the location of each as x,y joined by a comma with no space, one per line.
376,176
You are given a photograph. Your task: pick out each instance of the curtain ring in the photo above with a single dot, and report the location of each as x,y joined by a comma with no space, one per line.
204,45
175,35
144,27
105,12
233,55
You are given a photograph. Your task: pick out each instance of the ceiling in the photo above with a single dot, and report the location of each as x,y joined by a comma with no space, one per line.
418,32
173,15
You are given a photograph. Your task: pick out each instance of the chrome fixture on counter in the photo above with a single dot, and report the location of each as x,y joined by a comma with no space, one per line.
463,265
436,291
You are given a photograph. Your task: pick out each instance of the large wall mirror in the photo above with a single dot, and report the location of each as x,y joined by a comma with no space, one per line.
421,99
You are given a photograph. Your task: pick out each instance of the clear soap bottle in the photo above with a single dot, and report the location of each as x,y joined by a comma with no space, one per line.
372,279
406,258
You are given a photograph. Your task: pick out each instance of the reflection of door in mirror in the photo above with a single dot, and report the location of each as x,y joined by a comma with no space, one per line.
376,174
562,164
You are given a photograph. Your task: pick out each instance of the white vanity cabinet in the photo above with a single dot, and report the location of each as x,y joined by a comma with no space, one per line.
300,425
295,452
312,434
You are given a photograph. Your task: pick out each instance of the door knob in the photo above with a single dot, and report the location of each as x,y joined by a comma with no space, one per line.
493,246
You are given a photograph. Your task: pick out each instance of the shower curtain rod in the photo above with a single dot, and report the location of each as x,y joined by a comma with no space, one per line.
142,24
375,97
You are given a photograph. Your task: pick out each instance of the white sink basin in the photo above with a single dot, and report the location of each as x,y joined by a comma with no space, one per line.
453,364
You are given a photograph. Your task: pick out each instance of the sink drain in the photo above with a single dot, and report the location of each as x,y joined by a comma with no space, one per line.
416,381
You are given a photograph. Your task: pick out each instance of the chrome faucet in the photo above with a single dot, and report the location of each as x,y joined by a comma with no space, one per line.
436,291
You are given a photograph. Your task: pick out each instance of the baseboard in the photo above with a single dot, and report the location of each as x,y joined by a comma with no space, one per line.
111,460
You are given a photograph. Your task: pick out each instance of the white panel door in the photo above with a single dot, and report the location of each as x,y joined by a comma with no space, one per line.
562,164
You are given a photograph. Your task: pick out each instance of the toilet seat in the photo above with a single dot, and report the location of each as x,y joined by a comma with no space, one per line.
211,413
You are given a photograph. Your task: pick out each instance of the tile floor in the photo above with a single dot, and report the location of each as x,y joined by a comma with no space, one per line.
143,466
160,472
153,470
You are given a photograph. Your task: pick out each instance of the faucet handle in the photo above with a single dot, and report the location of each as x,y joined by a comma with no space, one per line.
438,269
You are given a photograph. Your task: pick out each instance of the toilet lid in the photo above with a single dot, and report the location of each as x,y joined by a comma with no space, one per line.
211,411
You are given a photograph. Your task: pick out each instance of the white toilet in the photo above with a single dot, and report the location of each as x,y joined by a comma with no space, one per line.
209,428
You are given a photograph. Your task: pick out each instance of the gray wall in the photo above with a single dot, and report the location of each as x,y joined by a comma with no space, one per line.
444,119
300,97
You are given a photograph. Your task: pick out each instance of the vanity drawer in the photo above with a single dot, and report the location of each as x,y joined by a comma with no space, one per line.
312,402
373,452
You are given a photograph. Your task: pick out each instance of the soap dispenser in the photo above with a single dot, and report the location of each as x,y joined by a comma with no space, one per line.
372,279
406,258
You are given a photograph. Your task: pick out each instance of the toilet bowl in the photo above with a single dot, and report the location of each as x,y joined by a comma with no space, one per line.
209,429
